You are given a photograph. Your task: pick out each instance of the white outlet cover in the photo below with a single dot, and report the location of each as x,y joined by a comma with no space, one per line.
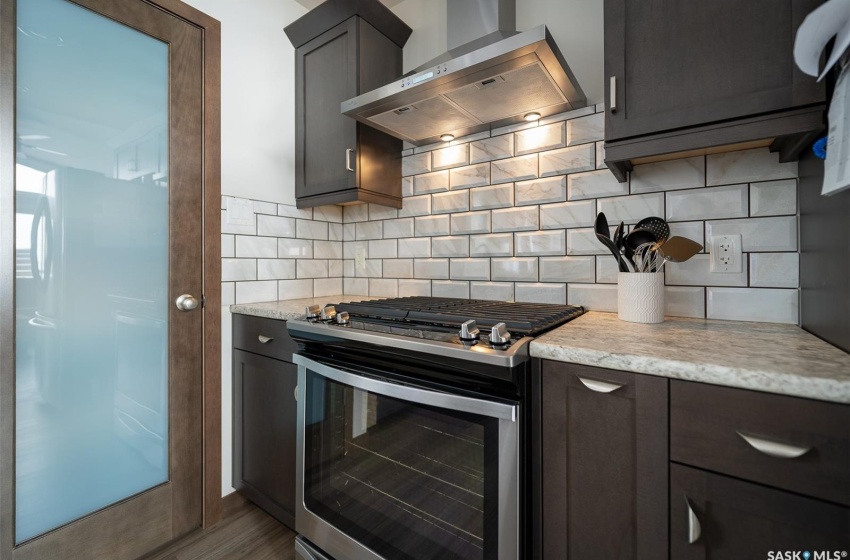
239,212
726,254
360,259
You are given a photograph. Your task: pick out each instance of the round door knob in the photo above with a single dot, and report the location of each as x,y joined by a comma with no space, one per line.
186,302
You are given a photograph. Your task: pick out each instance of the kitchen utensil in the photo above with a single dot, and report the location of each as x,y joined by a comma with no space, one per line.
657,226
680,249
603,234
619,243
646,256
635,239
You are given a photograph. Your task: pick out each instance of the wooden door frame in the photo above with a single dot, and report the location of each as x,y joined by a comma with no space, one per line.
211,390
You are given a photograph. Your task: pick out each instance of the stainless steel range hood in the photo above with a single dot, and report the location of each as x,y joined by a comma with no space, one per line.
494,80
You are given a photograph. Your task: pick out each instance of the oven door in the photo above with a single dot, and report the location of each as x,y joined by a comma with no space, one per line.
398,472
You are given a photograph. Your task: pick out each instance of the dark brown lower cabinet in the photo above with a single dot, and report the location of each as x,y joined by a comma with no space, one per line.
264,431
604,464
714,516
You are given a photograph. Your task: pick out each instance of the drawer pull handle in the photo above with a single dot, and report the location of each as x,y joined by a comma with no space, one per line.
599,386
694,528
774,448
265,339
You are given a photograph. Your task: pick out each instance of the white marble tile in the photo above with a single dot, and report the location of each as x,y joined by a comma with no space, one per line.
586,129
416,164
765,305
568,214
275,226
450,289
470,176
350,248
402,227
250,292
492,245
414,247
606,270
406,186
697,272
685,173
382,249
695,231
348,232
567,269
497,147
328,213
470,222
469,138
567,160
550,242
513,128
300,248
383,287
710,203
398,268
228,293
327,249
758,234
327,287
432,225
594,297
336,268
684,301
368,230
429,147
348,268
470,269
492,291
260,247
238,269
773,198
775,270
244,229
514,169
374,269
449,202
526,218
293,212
541,138
567,115
309,229
747,166
495,196
540,293
540,191
311,268
228,246
355,286
583,241
378,212
355,213
431,182
594,184
412,288
265,208
631,209
335,232
517,269
434,269
600,156
296,289
453,156
415,206
453,246
275,269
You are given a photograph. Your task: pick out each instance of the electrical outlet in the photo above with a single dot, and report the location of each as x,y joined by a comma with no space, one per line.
239,212
360,259
726,254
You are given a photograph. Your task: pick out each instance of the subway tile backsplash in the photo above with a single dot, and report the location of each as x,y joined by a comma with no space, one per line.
509,216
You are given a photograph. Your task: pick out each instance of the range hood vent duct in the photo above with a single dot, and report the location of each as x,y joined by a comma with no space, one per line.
491,81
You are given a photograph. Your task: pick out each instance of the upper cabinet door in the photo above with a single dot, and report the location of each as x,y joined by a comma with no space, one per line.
682,64
326,74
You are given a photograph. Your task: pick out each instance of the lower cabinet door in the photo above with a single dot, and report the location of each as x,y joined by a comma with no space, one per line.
714,516
264,432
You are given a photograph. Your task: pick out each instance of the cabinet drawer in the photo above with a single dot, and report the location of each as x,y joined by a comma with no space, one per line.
249,333
787,442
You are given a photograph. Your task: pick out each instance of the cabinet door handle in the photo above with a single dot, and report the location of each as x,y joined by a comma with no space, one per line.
264,339
774,448
348,153
694,528
295,392
599,386
613,94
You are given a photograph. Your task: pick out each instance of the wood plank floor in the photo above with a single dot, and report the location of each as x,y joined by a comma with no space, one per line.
248,534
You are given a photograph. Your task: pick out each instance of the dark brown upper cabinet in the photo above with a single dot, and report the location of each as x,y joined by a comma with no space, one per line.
701,77
344,48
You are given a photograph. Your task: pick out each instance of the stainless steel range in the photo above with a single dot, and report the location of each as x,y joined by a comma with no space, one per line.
413,421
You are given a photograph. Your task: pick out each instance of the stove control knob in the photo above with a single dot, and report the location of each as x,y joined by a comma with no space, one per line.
328,313
312,312
342,318
469,331
499,335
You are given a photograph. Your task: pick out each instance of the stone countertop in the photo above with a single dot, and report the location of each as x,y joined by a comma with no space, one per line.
782,359
291,308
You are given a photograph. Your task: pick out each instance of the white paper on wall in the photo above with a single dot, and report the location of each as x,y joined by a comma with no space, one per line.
836,176
832,19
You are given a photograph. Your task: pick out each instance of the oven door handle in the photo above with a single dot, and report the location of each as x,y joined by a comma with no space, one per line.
449,401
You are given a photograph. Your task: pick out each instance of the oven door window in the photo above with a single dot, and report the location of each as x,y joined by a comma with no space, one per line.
409,481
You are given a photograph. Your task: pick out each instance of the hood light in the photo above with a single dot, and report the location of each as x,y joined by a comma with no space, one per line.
531,117
447,137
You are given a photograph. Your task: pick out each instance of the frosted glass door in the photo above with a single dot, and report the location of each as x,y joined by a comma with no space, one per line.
92,274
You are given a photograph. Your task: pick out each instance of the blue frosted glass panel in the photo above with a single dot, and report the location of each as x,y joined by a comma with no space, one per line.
92,264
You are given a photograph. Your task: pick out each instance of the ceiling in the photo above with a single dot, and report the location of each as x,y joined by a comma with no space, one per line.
310,4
